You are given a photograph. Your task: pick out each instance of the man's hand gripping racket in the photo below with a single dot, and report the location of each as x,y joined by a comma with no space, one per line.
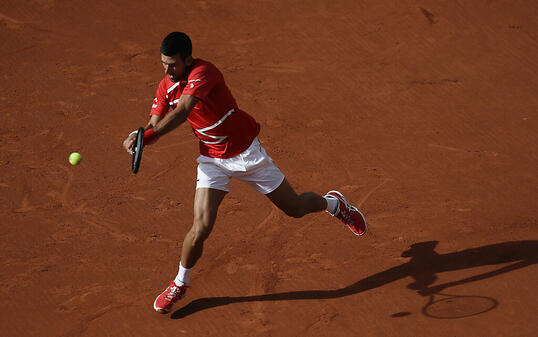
135,146
137,150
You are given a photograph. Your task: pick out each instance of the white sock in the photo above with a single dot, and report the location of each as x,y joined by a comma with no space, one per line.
332,204
183,276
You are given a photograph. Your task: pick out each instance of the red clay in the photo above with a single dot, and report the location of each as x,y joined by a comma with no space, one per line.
423,113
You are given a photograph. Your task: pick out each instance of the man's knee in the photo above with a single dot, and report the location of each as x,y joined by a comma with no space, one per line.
203,223
201,231
198,233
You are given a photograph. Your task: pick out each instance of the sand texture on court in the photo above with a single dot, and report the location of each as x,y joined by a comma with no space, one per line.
423,113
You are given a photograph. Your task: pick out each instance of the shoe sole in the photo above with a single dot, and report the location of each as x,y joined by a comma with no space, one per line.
354,208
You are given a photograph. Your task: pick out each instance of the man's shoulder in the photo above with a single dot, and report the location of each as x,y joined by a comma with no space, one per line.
166,85
200,63
203,67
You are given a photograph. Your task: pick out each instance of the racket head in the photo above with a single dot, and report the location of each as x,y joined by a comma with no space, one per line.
137,150
455,306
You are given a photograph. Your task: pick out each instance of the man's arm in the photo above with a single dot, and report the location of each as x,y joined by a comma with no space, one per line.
129,141
153,120
176,117
172,120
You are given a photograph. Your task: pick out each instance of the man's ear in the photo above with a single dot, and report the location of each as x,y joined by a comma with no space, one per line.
188,61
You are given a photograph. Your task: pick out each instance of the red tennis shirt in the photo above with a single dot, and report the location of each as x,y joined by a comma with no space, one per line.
223,129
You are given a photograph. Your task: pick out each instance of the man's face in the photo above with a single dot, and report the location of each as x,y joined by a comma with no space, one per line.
174,67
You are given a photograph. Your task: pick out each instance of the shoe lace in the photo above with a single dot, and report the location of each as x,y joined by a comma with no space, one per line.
346,216
174,291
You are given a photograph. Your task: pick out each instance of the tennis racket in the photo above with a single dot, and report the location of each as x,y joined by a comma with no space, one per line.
137,150
447,306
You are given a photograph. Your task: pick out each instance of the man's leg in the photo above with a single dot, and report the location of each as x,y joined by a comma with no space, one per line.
206,205
285,198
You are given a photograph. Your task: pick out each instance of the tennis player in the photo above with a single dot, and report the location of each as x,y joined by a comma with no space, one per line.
194,90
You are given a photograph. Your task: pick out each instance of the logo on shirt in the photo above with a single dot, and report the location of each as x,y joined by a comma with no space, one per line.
192,85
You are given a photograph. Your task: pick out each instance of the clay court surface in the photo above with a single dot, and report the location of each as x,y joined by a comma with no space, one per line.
423,113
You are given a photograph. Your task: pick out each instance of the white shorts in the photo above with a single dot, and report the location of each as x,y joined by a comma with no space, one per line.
253,166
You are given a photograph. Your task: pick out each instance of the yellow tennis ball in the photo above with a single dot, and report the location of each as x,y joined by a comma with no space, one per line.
75,158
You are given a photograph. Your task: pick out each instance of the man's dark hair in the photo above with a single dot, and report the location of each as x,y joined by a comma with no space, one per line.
177,43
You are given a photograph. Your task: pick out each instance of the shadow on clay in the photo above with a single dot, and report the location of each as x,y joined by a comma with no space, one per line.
425,263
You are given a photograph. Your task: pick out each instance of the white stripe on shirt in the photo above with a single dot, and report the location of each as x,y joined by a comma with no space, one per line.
172,87
218,138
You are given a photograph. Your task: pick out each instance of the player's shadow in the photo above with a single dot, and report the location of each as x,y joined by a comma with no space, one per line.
425,263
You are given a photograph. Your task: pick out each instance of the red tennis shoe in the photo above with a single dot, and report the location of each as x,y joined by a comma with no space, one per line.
164,302
348,214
